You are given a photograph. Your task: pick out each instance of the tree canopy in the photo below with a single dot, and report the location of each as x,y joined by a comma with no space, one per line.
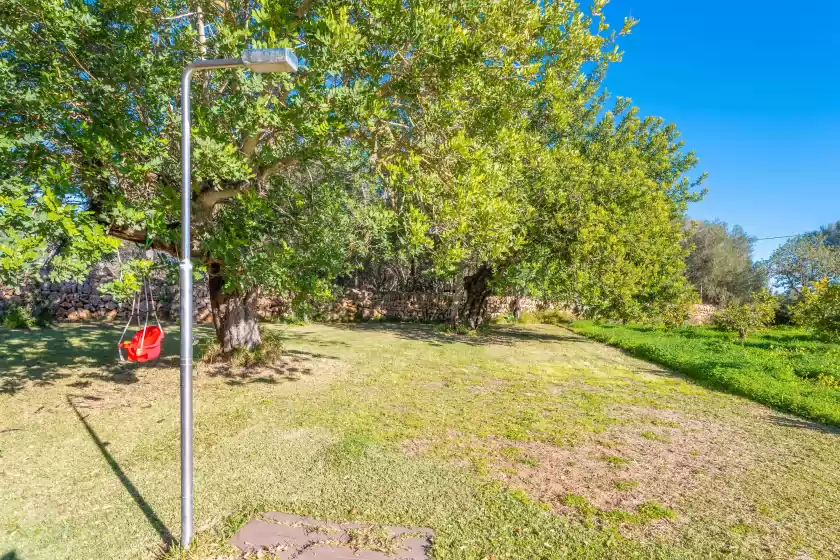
470,135
805,259
720,265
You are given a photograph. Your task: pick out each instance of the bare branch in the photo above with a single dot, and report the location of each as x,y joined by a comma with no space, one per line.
79,64
188,14
199,28
303,8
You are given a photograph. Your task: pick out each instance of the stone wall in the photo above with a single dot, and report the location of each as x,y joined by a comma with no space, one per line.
84,301
410,306
71,301
702,314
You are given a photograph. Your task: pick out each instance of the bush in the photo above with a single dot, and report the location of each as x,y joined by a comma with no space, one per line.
819,309
745,317
18,317
548,317
784,312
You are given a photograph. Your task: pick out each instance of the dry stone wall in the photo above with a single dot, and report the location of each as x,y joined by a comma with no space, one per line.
702,314
69,301
363,305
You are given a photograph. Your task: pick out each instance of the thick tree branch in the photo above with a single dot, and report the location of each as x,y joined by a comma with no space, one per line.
249,143
138,236
303,8
207,200
284,163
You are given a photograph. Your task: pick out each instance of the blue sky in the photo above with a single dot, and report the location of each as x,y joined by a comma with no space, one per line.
754,87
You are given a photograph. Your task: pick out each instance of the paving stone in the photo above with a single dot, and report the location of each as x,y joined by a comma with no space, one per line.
342,553
257,534
289,519
292,537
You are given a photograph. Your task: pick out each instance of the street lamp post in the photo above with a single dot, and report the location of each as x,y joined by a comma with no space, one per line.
256,60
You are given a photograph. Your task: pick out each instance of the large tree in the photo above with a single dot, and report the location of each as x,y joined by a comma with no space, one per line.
467,134
720,265
805,259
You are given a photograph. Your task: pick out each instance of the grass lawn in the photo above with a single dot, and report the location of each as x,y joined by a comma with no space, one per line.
529,442
783,367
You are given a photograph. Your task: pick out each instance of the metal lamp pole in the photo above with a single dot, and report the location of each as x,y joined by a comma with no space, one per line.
256,60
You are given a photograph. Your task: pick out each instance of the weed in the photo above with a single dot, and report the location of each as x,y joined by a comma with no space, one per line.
651,511
614,461
374,538
515,455
626,485
644,514
18,317
653,436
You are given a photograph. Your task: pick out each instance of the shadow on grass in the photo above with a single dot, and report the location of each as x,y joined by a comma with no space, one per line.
431,333
294,367
11,555
148,512
41,357
804,425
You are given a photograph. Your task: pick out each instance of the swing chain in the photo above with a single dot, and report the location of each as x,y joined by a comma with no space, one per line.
135,304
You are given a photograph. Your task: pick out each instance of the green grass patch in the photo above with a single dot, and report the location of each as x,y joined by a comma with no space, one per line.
785,368
592,514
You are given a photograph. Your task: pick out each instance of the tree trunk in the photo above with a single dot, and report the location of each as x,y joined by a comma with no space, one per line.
517,308
234,315
477,288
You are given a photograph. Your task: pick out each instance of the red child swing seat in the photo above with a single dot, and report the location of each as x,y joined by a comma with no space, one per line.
146,343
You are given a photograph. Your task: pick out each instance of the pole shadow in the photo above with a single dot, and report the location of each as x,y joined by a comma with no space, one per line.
151,516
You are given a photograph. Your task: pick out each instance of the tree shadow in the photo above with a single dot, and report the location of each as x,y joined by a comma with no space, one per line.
433,335
148,512
11,555
293,367
41,357
799,423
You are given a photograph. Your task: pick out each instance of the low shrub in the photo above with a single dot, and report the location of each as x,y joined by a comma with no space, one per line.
746,317
18,316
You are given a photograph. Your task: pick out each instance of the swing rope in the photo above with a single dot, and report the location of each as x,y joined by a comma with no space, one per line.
122,336
149,298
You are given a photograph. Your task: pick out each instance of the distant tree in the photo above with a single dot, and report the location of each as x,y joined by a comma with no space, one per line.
819,309
720,264
805,259
832,234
